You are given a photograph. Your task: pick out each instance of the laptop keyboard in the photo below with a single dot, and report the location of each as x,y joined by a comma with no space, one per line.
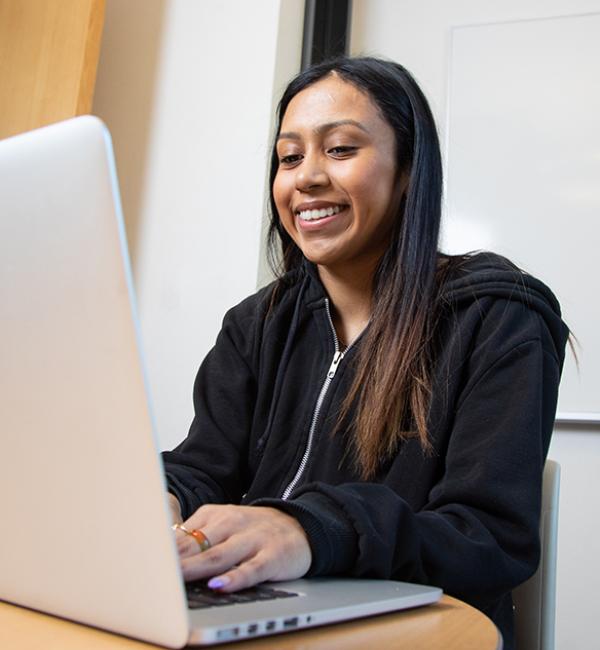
200,596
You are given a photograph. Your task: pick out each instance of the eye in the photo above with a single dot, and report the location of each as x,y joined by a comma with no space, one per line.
342,151
290,159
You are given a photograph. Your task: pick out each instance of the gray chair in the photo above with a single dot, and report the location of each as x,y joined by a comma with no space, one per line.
535,599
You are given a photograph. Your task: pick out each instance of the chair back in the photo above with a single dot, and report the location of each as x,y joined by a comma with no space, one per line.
535,599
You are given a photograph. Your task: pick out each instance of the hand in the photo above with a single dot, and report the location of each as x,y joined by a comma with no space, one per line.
249,544
175,508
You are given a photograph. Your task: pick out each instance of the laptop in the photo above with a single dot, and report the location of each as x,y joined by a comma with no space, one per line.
87,533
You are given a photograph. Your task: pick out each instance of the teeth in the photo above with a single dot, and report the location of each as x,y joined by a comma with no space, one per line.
311,215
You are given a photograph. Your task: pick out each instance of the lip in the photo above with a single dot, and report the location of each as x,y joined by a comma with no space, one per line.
317,205
312,226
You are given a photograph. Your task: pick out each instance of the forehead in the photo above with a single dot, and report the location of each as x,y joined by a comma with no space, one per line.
331,99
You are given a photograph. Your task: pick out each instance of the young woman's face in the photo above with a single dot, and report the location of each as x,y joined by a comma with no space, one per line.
335,188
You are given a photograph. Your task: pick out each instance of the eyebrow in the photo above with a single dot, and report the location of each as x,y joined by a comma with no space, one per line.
323,128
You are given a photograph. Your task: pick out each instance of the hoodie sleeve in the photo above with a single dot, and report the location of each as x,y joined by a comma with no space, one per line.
210,465
476,536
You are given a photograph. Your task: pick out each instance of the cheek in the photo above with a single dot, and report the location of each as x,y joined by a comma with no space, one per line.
368,187
353,183
281,195
378,189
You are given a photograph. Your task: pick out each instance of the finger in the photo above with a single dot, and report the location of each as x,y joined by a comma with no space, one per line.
186,545
175,509
182,539
249,573
219,516
191,541
216,522
217,559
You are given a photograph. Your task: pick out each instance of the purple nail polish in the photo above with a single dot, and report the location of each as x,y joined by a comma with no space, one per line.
217,583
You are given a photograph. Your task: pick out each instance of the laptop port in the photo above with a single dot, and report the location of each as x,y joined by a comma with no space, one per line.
270,626
290,622
227,634
253,628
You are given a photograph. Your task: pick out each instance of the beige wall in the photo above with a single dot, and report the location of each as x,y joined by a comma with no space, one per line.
187,89
416,33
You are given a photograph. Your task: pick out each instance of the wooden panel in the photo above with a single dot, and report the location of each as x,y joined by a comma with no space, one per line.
48,58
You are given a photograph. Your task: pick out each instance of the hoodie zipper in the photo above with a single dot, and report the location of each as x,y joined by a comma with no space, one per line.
337,357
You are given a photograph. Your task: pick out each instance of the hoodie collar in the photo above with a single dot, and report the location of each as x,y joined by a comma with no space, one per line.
487,274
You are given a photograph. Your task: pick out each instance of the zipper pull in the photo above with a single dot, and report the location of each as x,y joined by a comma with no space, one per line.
337,357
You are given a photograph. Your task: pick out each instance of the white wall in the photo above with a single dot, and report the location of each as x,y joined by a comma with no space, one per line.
416,33
577,449
187,90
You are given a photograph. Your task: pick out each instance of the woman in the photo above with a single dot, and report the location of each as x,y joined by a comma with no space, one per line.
382,409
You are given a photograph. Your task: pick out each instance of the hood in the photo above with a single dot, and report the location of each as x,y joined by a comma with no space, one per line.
478,275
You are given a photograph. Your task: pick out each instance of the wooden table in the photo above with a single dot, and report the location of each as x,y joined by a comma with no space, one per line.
448,625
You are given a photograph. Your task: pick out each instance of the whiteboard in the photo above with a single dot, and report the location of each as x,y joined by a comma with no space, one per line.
523,169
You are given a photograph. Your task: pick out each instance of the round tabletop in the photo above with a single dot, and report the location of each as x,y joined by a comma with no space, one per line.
449,624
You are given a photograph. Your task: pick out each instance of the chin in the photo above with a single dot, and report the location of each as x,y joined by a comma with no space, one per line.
319,254
321,259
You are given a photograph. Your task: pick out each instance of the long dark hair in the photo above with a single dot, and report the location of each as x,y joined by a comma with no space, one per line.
392,381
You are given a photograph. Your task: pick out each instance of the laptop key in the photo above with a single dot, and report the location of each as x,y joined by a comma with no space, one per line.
241,597
207,601
200,596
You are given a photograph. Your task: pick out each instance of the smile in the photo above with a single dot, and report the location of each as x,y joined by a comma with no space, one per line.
312,215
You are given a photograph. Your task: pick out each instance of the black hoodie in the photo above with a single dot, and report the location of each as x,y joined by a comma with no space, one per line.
464,517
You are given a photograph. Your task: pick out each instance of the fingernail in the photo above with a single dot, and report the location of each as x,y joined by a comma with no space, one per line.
217,583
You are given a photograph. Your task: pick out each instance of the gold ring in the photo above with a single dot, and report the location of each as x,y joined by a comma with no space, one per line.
202,539
182,528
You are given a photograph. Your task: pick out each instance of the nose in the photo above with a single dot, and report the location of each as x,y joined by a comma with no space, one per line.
311,174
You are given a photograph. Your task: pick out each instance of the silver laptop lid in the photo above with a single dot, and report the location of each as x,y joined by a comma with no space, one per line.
81,486
77,437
